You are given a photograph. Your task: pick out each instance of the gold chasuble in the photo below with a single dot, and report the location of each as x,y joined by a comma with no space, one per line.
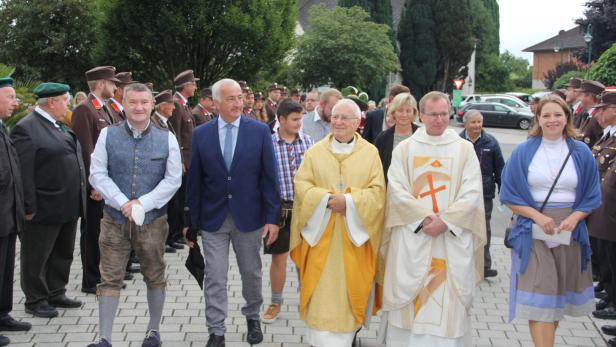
429,282
336,254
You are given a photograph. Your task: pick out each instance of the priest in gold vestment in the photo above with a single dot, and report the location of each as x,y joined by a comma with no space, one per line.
432,245
336,229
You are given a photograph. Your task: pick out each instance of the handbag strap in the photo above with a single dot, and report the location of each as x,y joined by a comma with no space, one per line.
555,180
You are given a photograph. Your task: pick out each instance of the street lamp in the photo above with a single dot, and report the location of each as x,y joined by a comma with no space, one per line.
588,40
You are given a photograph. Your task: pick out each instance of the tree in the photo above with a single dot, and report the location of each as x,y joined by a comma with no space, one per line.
561,82
343,46
551,76
48,40
485,28
494,75
518,69
159,38
418,53
604,69
454,40
602,15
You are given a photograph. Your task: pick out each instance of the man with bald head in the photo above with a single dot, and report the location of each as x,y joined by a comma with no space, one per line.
233,197
336,227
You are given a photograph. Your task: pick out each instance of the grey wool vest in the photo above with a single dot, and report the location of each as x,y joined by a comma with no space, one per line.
136,166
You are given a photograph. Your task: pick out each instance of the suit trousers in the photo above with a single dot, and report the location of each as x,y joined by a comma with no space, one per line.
246,246
90,254
487,257
46,257
7,272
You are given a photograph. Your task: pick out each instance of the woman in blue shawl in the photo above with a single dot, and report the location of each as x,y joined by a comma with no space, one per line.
549,279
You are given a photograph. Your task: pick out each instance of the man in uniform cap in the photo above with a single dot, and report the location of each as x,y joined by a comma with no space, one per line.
88,119
249,102
296,95
572,97
183,123
163,109
284,93
271,106
590,129
115,102
204,111
11,212
54,181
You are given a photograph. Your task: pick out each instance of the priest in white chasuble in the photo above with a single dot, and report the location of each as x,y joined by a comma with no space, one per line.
432,245
336,228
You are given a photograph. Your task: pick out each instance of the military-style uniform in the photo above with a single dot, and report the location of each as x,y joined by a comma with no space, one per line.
201,115
89,118
116,109
590,130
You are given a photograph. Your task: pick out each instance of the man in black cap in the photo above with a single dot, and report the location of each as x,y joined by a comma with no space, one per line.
572,97
183,123
590,129
115,102
204,111
273,96
11,212
53,176
89,118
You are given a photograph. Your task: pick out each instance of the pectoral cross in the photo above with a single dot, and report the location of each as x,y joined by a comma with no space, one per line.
340,185
432,192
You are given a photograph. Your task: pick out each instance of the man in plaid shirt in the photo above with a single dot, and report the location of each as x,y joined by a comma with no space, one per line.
289,148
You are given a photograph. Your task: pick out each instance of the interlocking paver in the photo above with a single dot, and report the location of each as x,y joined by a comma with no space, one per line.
183,322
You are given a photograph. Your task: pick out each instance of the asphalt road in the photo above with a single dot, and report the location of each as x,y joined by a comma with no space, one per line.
508,140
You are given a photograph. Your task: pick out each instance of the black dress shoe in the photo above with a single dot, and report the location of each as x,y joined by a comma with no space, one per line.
88,290
128,277
169,249
254,334
177,245
8,323
612,342
216,341
489,273
4,341
609,329
42,310
601,295
65,302
181,241
601,304
599,288
607,313
133,269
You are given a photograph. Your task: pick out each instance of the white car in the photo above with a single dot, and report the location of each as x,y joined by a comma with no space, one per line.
468,99
508,100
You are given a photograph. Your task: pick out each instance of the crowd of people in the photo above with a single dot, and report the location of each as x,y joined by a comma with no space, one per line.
392,218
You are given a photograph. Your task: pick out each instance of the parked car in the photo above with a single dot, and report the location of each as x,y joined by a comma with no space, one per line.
508,100
540,94
498,115
467,99
522,96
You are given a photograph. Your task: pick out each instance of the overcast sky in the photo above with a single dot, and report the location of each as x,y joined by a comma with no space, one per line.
524,23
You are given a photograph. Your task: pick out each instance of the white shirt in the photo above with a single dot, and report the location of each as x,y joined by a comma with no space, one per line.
157,198
543,170
162,118
47,116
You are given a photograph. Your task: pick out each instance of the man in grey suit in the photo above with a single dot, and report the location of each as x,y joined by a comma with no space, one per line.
11,212
316,124
53,177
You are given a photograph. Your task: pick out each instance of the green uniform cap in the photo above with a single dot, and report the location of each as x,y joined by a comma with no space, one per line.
49,89
6,82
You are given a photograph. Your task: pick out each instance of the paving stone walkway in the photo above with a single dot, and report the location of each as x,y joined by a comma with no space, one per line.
184,323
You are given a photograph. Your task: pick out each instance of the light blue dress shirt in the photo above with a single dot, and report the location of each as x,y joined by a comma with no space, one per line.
222,134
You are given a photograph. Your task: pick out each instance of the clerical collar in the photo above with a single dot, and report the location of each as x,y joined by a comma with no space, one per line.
346,143
117,104
342,148
162,118
47,116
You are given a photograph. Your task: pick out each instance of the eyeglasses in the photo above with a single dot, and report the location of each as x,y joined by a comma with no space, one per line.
343,118
434,115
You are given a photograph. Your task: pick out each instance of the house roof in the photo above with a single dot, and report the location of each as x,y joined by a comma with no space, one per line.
570,39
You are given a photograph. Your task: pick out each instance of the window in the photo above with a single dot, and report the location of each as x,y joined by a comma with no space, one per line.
499,108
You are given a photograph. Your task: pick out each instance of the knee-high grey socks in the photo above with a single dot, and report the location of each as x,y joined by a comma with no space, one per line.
156,301
107,307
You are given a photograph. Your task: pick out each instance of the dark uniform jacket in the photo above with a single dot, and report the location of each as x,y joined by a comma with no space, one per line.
160,125
201,115
602,222
491,161
89,118
271,108
117,114
374,124
52,170
579,115
590,130
182,122
11,188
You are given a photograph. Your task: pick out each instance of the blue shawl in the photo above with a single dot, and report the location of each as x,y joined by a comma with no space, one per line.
514,190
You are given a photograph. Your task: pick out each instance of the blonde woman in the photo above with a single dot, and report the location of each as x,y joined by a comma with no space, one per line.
403,111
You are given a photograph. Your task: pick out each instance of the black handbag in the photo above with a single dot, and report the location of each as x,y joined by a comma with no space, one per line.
512,220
